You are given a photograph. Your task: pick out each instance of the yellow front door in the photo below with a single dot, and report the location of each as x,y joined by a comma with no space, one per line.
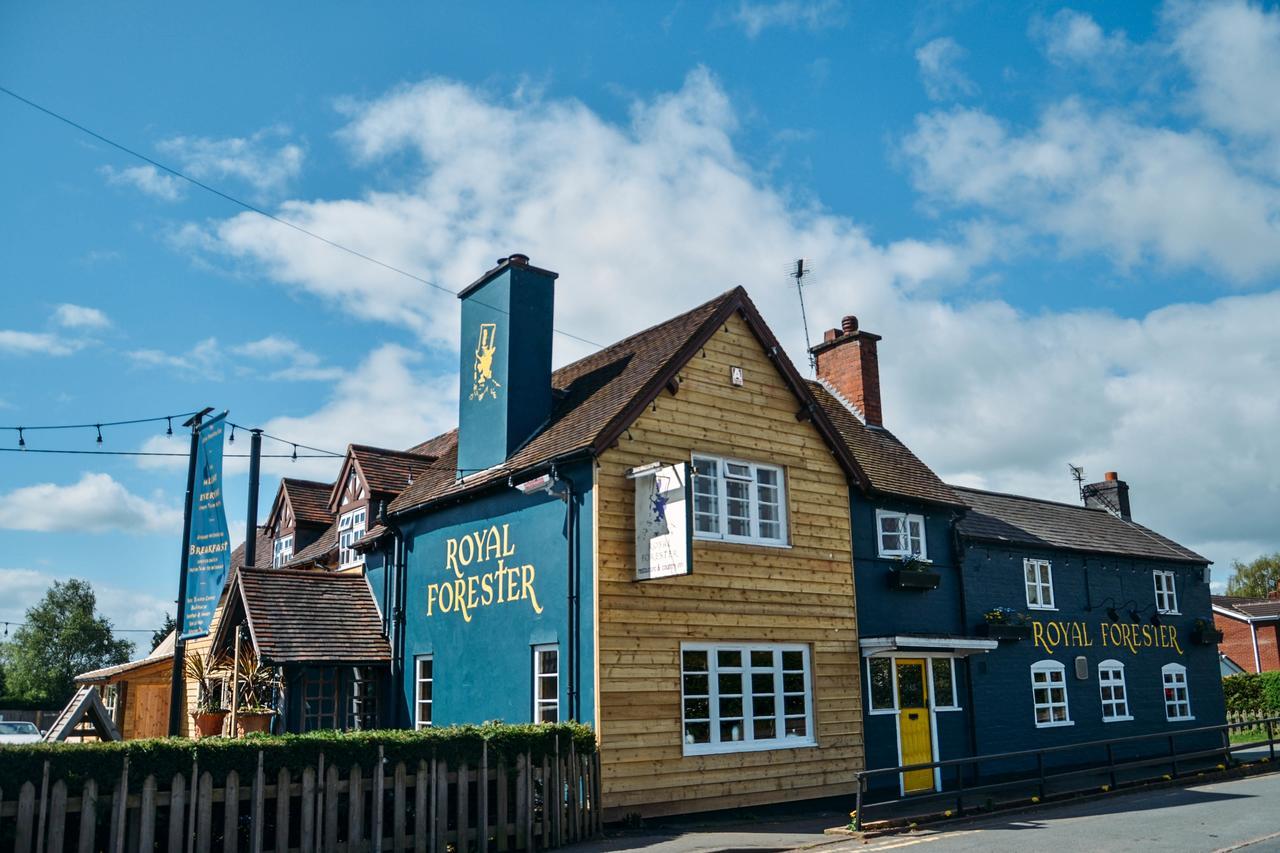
913,724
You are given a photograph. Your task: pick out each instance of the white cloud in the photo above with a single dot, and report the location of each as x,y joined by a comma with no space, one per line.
35,343
813,15
80,317
1100,181
1071,37
126,608
203,358
649,217
96,503
147,179
940,71
259,160
300,364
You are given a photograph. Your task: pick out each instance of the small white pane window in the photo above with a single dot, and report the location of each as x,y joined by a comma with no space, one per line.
1049,694
738,698
881,694
282,551
1166,595
546,684
351,528
424,680
110,699
1177,702
738,501
901,535
1115,699
942,670
1039,580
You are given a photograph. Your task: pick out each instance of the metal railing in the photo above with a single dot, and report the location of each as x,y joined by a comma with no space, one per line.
1043,774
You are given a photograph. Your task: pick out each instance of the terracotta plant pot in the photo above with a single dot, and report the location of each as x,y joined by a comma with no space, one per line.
252,722
208,723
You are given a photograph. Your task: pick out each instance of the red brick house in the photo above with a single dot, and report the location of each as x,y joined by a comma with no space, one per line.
1250,630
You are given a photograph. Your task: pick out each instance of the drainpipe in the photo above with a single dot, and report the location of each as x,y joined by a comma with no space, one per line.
957,548
1257,658
572,644
394,613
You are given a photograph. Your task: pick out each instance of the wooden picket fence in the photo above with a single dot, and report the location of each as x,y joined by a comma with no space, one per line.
324,809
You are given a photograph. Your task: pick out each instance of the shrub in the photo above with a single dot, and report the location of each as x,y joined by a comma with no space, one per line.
1251,692
164,757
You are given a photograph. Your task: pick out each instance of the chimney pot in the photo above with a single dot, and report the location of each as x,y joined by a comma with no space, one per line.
830,335
519,259
849,324
1111,475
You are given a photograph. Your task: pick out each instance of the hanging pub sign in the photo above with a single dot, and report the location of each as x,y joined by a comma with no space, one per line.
209,550
664,520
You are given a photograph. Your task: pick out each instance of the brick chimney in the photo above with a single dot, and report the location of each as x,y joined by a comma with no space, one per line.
1112,494
847,361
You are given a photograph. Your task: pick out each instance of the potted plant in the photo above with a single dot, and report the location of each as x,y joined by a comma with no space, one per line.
1004,623
210,710
914,573
258,686
1205,633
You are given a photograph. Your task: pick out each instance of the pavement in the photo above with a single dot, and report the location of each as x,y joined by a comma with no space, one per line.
1238,814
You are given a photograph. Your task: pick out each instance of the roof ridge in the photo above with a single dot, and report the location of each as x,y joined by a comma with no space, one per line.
301,482
391,452
1030,498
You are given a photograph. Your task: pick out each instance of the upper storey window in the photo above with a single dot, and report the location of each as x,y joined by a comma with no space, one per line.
901,535
1166,594
281,551
1038,575
738,501
351,527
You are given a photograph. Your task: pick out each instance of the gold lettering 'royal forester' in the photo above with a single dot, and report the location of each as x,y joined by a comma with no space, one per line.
483,384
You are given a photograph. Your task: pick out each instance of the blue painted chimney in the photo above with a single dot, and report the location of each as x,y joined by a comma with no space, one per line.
504,394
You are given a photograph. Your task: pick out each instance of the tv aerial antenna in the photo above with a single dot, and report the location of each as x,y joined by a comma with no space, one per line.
799,271
1077,474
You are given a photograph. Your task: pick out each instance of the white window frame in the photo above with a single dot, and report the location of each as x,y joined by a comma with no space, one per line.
721,533
1055,677
350,531
906,541
1039,584
1111,675
1166,593
418,701
281,551
952,705
748,743
1173,676
539,675
110,699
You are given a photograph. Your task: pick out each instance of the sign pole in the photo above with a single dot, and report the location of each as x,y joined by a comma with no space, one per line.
179,650
251,529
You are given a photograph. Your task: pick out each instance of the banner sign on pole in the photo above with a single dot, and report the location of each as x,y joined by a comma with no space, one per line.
664,521
209,552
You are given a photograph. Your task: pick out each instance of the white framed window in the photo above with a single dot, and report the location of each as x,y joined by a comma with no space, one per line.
351,527
546,684
424,680
1049,694
1115,698
1039,580
882,689
942,679
738,501
1177,701
901,535
1166,595
282,551
738,698
110,699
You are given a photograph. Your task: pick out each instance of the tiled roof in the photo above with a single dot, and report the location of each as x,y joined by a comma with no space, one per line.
161,653
598,396
889,465
1256,608
312,617
996,517
390,471
309,499
261,550
317,550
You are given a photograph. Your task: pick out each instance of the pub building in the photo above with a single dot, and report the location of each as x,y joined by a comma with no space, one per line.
993,623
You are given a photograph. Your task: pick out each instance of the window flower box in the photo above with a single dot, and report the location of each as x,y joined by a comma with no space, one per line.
913,574
1203,633
1004,631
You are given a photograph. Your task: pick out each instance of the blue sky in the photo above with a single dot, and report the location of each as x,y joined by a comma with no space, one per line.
1063,218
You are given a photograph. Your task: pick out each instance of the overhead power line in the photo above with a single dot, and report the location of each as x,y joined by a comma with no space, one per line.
158,453
255,209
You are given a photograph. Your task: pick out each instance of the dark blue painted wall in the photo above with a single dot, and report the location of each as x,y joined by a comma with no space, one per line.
1083,586
483,665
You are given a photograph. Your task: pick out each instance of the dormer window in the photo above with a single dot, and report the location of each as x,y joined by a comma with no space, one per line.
351,528
281,551
901,535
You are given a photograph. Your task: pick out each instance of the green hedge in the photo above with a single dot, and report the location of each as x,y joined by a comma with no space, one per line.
164,757
1252,692
17,703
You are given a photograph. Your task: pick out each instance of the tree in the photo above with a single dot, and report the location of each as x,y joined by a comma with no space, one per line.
62,637
158,637
1256,579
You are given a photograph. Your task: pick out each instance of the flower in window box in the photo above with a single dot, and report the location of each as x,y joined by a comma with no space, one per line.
1004,616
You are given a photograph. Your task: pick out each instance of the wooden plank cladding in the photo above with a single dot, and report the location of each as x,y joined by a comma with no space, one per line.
801,593
321,807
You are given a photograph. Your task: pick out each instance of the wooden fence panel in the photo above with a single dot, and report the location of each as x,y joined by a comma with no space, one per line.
440,837
284,797
464,784
397,811
146,815
26,818
258,810
307,829
177,805
420,791
355,808
204,814
88,817
231,812
500,791
331,809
